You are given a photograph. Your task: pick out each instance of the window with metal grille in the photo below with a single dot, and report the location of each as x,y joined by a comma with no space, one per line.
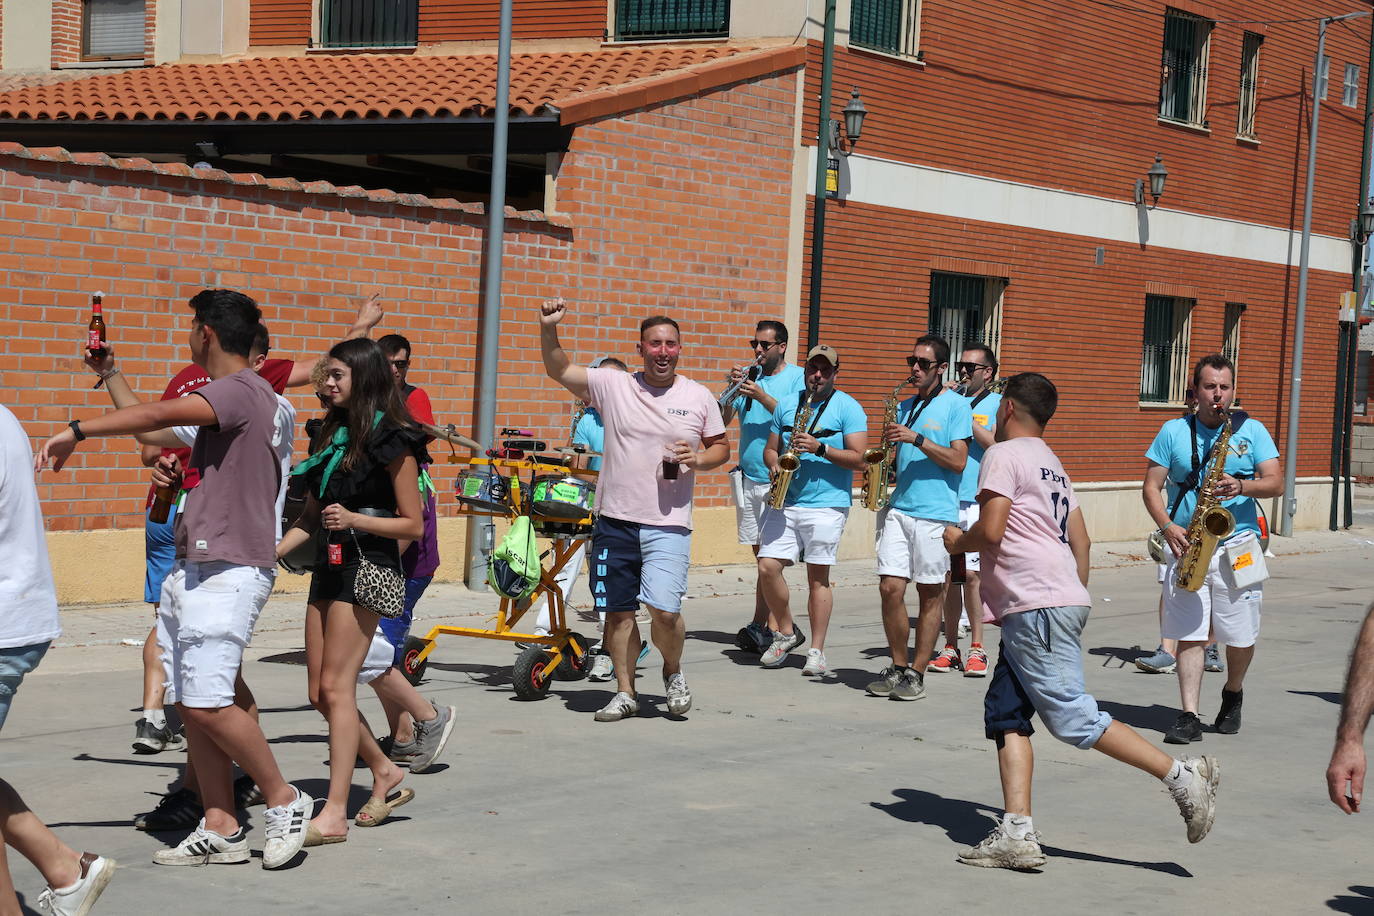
1362,372
1323,77
1183,68
966,310
640,20
1164,354
1230,332
1249,83
1350,87
112,29
891,26
369,23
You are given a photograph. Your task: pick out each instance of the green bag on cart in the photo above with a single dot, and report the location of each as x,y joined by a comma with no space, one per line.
514,570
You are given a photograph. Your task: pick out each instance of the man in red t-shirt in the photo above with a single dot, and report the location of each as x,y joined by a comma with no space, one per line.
151,732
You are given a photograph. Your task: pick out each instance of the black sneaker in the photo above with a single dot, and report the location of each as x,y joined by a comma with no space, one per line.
1228,719
149,739
178,810
246,792
1187,728
755,639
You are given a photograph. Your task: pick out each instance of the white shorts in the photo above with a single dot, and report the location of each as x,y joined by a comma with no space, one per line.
380,654
751,498
1161,570
968,515
912,548
811,533
1230,615
205,621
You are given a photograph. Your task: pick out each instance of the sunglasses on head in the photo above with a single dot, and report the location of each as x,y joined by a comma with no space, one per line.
766,344
969,368
402,364
925,364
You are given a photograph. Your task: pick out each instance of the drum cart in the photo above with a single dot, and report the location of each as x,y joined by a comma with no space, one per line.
562,654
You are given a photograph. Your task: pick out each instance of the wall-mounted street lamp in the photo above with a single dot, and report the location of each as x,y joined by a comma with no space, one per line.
1156,176
841,138
1363,227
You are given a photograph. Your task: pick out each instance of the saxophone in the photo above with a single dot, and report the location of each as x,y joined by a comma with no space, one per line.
880,457
1211,522
789,461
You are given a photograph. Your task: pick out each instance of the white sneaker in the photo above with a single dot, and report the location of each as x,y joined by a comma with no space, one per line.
285,830
776,653
999,850
815,664
1197,801
77,898
622,706
205,847
679,696
603,669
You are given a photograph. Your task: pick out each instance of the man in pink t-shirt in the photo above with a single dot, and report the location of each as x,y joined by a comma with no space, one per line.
1035,553
660,429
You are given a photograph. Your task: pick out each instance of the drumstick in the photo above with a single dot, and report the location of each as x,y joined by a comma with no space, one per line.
450,435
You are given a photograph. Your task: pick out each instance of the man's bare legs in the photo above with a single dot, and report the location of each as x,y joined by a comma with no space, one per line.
772,586
820,602
897,625
621,634
21,830
762,615
669,635
397,693
154,675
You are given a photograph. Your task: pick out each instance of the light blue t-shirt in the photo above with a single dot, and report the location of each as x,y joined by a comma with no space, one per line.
756,423
820,482
1250,445
924,489
984,415
592,434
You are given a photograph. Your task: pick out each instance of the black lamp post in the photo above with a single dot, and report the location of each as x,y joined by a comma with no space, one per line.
1156,176
829,140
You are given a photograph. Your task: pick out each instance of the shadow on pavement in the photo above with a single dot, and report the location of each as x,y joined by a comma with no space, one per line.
712,636
1151,718
296,657
1121,654
1360,900
1329,696
966,823
486,675
173,763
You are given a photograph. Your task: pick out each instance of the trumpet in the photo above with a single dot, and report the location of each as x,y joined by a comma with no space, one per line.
790,460
750,375
879,458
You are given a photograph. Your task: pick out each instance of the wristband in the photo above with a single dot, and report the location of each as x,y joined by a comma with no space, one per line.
820,450
76,430
106,376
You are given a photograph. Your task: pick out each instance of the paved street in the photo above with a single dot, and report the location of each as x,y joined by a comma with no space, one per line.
776,794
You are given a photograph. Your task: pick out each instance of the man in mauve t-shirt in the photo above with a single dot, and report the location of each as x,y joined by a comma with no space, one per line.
660,429
226,551
1035,556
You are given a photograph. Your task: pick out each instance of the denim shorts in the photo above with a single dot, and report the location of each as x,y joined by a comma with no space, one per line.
397,629
14,664
634,563
1040,670
160,549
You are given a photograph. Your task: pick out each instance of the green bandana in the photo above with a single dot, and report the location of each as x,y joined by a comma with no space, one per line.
331,456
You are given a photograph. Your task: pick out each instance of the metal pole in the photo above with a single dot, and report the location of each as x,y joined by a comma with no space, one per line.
1290,461
813,315
1352,342
481,530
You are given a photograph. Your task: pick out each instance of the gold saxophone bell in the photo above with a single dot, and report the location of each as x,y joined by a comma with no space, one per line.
1212,522
789,461
880,457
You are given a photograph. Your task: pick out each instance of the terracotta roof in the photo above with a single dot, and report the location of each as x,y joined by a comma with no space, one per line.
576,85
19,79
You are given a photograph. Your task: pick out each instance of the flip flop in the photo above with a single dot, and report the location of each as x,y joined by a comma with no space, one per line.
313,837
375,812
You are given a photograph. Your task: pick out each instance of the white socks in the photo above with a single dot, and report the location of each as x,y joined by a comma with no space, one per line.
1179,775
156,717
1018,826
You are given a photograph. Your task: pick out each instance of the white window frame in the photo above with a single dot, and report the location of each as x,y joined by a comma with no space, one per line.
1248,106
136,51
1179,367
1323,77
1350,86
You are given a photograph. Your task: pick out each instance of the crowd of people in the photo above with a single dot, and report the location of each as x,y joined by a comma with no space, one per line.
973,480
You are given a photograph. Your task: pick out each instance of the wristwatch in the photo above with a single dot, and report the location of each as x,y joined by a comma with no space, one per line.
920,440
820,450
76,430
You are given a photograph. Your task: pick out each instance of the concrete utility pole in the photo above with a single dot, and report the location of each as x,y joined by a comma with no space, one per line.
482,530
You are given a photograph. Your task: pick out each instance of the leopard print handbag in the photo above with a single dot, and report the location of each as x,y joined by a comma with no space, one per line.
377,588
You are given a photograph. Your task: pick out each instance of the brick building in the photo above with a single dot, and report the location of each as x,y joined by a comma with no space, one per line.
661,161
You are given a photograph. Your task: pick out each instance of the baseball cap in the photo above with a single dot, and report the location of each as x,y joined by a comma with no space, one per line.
830,354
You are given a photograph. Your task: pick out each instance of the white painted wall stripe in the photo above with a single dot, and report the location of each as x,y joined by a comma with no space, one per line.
922,189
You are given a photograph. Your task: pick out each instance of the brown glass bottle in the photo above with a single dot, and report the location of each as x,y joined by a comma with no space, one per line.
163,500
95,331
958,568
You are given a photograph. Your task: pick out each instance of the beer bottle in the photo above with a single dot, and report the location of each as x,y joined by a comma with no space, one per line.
95,331
163,500
958,569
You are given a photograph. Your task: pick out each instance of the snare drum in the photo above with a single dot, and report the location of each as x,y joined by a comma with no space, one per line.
483,488
550,529
562,496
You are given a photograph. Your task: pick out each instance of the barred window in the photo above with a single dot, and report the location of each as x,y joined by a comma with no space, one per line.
1323,77
1249,84
641,20
1164,355
1350,87
369,23
1183,68
891,26
966,310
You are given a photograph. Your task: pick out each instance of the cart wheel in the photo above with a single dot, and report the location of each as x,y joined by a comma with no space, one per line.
531,674
572,666
411,666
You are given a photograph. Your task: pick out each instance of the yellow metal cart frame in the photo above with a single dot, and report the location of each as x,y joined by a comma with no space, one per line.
562,654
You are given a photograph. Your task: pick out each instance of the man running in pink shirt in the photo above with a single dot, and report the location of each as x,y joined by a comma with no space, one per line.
1035,552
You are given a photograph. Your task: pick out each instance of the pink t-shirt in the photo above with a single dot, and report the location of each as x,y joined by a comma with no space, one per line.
1033,566
640,420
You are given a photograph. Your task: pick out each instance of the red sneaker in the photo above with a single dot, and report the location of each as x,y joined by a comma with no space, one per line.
976,665
947,660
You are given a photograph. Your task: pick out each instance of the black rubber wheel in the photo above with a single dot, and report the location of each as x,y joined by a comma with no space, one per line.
575,665
411,667
531,675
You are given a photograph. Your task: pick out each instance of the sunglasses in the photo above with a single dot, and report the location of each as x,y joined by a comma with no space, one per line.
766,344
401,364
925,364
969,368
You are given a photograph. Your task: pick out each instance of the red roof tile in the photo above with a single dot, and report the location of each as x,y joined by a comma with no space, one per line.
381,86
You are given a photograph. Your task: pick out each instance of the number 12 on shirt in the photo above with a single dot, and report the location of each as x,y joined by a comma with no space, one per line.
1061,501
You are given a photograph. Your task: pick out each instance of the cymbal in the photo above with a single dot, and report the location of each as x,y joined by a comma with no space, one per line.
581,450
451,434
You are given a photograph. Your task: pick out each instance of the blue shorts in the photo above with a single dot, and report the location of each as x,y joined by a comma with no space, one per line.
396,629
1040,670
634,563
161,554
14,664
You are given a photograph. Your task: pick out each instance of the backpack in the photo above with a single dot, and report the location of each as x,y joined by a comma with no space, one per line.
514,569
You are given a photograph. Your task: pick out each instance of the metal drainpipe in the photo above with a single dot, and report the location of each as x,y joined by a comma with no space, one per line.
481,530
